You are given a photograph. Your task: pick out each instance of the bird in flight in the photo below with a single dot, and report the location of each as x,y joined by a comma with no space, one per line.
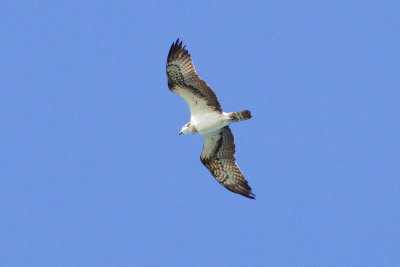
208,120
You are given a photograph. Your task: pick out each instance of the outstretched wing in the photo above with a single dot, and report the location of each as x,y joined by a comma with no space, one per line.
184,81
218,156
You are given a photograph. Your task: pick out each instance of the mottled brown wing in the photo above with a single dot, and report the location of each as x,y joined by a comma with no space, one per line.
184,81
218,156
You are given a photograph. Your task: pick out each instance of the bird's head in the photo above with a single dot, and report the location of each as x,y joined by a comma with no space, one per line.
187,129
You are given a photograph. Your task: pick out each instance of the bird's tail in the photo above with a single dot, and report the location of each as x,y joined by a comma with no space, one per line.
240,115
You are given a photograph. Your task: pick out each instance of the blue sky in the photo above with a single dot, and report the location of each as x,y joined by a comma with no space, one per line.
93,172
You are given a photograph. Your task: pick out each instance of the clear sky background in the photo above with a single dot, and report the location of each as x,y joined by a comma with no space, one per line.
93,172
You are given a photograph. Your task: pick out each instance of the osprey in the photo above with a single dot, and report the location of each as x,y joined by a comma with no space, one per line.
208,120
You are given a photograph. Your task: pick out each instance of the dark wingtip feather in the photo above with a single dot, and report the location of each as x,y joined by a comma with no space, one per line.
251,195
242,189
177,50
248,194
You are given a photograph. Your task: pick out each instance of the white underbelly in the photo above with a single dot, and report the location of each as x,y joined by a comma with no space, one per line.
209,123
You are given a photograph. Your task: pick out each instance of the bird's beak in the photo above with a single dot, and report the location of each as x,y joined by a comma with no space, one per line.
179,133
